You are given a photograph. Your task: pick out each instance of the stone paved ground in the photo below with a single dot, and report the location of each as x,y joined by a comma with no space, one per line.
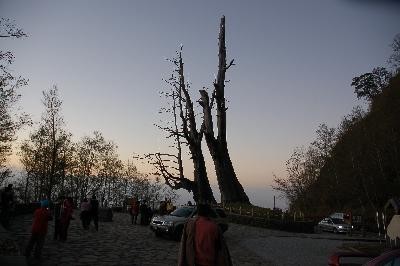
118,243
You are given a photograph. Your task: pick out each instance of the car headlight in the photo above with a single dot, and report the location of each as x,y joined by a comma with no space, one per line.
168,223
340,227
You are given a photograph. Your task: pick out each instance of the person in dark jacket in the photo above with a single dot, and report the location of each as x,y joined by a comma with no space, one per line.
85,213
94,211
143,212
39,229
57,217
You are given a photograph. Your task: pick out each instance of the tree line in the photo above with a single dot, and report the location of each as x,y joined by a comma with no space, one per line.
355,166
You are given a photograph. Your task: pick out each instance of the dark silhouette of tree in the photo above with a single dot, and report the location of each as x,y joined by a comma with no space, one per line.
370,85
187,130
229,185
10,119
42,155
356,167
394,59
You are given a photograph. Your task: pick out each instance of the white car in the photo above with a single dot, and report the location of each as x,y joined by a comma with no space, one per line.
334,225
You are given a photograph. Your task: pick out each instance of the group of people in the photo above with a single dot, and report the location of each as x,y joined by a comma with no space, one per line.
202,242
90,211
63,214
166,207
140,207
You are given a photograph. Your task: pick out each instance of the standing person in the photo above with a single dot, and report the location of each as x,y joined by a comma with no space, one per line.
134,210
57,216
143,212
94,211
163,207
7,201
202,242
41,218
66,217
149,215
85,213
170,206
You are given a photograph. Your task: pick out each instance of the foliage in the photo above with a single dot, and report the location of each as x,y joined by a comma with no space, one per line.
370,85
11,119
355,166
55,165
394,59
360,168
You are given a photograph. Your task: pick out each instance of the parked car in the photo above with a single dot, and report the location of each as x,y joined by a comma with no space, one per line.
334,225
389,258
349,258
352,254
172,224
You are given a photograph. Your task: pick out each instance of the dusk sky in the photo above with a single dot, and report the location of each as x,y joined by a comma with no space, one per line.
294,65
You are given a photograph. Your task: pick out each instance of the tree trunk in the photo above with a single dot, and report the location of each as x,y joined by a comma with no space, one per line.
194,139
202,192
230,187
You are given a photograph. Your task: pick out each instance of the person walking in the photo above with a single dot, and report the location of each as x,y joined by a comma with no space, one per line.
94,212
143,212
202,242
41,218
57,217
85,213
66,217
134,210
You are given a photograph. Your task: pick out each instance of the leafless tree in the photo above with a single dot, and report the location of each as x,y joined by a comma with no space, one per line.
184,127
229,185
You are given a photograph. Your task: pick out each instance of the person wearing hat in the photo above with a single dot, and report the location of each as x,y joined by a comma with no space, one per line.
41,219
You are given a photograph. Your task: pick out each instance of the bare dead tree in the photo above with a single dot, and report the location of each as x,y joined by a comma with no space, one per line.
185,128
229,185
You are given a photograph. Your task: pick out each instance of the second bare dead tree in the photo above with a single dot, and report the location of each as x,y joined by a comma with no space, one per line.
184,128
230,187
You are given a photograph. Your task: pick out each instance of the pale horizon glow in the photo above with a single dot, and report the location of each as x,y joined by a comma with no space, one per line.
294,65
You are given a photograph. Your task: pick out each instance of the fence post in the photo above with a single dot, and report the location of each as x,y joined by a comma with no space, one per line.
240,209
252,211
294,216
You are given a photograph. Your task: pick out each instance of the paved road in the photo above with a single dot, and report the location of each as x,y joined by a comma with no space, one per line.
120,243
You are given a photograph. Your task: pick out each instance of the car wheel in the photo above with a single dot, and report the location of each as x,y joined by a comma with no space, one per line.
158,234
335,230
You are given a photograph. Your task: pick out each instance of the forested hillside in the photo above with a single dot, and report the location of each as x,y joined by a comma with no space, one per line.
355,166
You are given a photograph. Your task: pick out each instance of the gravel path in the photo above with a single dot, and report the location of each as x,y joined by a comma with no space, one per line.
120,243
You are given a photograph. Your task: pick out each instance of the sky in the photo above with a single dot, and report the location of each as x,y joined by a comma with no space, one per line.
294,65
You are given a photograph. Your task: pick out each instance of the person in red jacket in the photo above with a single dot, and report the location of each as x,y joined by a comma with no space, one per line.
202,243
41,219
66,217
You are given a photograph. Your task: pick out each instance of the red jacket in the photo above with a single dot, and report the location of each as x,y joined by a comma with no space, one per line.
41,218
188,252
205,241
